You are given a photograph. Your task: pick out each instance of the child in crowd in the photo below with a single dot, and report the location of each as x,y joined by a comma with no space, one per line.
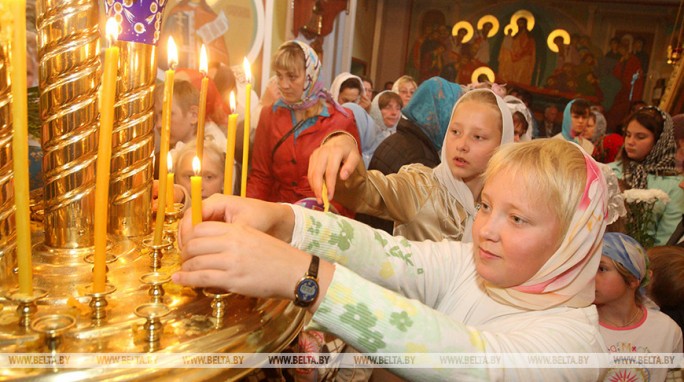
349,88
213,166
184,113
606,146
627,326
667,281
525,284
295,125
405,86
522,119
424,203
386,112
647,161
575,118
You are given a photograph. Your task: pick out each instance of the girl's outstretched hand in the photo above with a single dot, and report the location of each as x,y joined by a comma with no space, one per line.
338,156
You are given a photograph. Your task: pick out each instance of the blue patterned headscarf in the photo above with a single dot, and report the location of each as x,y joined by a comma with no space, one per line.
313,88
630,254
567,123
431,106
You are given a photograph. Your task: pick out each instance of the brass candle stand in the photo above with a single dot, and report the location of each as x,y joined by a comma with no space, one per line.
26,304
171,218
156,251
156,281
98,302
52,326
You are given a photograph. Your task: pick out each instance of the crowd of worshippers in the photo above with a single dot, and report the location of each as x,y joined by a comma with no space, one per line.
446,197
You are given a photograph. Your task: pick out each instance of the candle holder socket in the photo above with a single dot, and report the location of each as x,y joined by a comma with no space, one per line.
171,217
156,251
153,327
98,302
110,258
218,303
26,304
156,281
52,327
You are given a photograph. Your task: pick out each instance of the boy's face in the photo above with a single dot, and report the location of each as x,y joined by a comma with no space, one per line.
579,123
183,125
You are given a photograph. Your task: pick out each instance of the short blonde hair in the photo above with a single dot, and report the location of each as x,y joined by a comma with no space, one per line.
403,80
553,169
211,151
289,57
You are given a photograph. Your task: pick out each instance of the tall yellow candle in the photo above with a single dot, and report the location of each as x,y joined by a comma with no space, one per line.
169,183
164,144
20,144
104,155
245,138
230,148
201,114
196,191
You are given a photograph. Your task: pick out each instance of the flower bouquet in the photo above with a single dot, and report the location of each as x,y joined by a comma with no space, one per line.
640,205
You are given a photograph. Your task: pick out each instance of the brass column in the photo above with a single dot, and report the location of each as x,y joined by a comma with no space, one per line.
133,142
7,233
69,72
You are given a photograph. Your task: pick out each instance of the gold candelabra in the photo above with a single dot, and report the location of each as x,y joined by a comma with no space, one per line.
139,310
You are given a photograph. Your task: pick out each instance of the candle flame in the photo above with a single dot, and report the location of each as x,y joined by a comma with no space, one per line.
169,162
232,102
204,61
112,30
248,73
196,165
172,53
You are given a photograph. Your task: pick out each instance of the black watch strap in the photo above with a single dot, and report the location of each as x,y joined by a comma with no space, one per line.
313,267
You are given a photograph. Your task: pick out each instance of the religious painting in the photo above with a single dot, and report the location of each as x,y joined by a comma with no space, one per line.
231,30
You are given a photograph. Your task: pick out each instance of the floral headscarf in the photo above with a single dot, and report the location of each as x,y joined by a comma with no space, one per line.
313,88
430,107
630,254
567,278
455,186
660,160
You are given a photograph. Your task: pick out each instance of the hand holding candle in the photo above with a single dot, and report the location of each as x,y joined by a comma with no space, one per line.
196,191
230,148
201,114
164,144
245,138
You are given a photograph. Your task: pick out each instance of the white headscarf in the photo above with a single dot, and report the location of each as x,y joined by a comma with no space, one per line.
376,114
515,104
339,80
455,186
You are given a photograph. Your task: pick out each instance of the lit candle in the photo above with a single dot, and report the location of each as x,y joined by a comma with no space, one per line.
20,145
164,144
196,191
230,148
245,138
169,183
201,114
104,154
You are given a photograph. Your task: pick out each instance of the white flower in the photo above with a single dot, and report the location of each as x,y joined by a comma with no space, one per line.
651,195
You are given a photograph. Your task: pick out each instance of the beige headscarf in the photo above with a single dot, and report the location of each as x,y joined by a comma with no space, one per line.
567,278
455,186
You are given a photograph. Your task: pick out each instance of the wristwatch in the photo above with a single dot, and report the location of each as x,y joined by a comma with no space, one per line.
306,289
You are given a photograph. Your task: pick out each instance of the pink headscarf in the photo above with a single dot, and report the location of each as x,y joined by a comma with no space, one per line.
567,278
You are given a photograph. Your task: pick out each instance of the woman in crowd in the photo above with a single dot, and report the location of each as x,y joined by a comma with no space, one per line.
347,87
525,284
405,86
647,161
293,127
606,146
575,118
386,112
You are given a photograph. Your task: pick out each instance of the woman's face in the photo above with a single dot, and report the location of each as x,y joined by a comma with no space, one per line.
406,91
638,141
473,135
291,84
349,95
512,233
589,130
391,113
610,285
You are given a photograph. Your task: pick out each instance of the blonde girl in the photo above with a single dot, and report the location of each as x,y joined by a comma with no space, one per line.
424,203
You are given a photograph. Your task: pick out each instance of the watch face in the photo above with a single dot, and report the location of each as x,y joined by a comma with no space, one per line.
307,290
